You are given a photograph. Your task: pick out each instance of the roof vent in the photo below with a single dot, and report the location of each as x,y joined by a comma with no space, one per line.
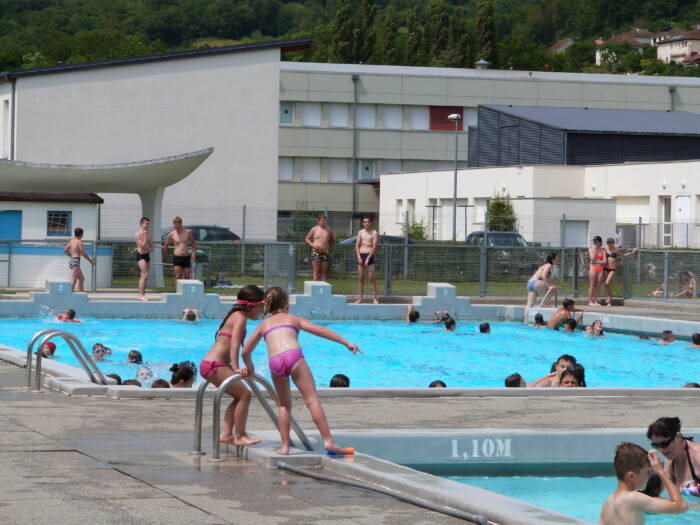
482,64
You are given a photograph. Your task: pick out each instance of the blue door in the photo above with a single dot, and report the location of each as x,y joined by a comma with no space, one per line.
11,224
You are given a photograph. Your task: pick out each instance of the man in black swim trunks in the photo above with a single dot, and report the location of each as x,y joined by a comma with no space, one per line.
182,240
365,248
144,247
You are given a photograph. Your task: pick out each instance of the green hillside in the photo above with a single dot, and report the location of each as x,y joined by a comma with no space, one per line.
509,33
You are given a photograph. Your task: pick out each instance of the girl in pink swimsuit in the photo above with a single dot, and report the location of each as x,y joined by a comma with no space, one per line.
221,362
280,332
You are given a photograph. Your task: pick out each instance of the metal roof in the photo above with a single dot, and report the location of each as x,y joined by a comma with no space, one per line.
284,45
592,120
25,196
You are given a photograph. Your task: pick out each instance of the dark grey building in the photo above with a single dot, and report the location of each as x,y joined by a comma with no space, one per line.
526,135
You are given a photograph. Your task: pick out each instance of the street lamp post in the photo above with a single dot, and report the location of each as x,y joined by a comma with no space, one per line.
456,118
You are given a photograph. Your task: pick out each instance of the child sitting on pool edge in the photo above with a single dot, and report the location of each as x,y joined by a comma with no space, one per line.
280,332
626,506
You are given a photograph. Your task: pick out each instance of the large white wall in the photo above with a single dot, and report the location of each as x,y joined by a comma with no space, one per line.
144,111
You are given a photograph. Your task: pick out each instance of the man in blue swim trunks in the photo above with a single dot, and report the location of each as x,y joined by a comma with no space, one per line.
365,248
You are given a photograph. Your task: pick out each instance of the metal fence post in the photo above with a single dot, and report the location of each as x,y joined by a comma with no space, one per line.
666,257
292,269
687,235
93,270
387,270
243,219
483,258
574,290
407,225
639,254
562,243
626,280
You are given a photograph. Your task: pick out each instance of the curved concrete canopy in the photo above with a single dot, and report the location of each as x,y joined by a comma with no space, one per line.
130,177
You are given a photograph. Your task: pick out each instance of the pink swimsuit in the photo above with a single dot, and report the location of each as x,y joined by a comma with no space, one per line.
281,364
206,367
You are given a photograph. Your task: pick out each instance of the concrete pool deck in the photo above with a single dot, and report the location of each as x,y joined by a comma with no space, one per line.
91,460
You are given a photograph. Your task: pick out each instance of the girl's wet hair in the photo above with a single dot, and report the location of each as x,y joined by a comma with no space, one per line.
275,299
569,372
70,314
181,372
666,427
135,357
250,293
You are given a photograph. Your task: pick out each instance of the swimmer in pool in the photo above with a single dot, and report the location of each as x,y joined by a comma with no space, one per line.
564,362
626,506
596,328
286,360
566,311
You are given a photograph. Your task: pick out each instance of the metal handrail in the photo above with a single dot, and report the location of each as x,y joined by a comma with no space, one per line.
85,360
221,390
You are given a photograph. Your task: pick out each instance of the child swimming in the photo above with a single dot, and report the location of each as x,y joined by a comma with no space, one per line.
280,332
221,362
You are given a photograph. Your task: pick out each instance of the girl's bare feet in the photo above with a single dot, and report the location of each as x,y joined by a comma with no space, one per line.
334,447
283,450
245,441
229,440
592,304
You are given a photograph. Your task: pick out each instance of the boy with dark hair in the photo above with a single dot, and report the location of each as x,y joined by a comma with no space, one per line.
412,315
566,311
695,340
570,325
74,250
484,328
515,381
667,337
340,381
450,325
626,506
539,321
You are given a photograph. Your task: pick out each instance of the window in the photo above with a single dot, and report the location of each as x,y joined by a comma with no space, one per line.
310,170
469,117
438,118
310,114
58,223
399,212
393,117
337,170
287,113
366,116
419,117
389,166
338,115
285,169
365,170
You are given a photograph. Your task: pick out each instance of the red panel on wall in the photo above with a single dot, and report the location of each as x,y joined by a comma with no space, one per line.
438,117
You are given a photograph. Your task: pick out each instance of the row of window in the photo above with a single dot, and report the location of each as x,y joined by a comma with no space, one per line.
314,169
58,223
375,116
5,117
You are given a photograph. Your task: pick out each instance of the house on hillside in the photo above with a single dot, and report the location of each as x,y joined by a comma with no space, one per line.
560,46
637,38
667,33
678,48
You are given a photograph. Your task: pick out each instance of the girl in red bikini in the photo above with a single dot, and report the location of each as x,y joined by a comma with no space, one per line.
596,255
221,362
280,332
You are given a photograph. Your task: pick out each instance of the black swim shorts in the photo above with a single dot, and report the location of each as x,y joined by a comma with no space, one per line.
143,257
364,256
183,261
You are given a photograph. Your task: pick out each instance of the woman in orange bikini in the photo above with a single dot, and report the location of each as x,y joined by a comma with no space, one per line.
596,255
611,254
221,362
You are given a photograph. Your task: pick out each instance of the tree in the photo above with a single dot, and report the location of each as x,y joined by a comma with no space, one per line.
341,49
485,38
364,34
414,40
417,230
436,30
501,217
388,52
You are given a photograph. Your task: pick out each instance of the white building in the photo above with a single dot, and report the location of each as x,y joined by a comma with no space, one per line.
593,198
678,48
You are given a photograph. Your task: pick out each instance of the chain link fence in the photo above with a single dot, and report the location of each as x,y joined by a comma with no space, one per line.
402,269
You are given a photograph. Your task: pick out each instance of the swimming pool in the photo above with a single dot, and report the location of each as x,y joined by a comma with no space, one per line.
396,354
581,497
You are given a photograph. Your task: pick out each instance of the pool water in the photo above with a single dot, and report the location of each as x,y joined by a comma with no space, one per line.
581,497
396,354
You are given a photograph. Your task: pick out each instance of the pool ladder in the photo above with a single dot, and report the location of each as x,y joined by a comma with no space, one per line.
250,382
76,347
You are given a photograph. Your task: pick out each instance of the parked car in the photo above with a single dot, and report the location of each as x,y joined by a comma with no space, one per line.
509,256
202,233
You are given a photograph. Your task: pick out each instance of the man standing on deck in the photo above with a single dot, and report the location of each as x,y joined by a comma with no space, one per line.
144,247
365,247
182,241
320,238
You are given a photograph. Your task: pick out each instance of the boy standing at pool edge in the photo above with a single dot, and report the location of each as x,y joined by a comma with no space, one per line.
74,250
626,506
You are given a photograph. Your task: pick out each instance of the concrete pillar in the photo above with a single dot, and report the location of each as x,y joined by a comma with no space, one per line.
152,207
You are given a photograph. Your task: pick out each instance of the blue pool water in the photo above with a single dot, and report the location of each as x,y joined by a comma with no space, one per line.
395,354
576,496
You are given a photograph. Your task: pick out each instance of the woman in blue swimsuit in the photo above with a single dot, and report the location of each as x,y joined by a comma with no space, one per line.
539,282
